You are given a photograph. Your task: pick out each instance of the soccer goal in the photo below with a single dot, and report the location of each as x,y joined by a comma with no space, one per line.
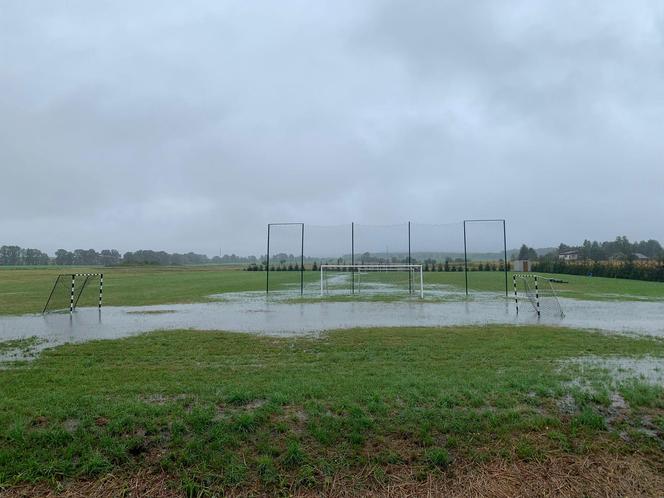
70,289
539,292
372,278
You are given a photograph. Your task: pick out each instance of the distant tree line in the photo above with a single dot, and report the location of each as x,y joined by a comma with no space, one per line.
620,249
619,258
14,256
17,256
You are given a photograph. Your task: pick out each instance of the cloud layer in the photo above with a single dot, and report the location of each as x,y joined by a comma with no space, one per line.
190,126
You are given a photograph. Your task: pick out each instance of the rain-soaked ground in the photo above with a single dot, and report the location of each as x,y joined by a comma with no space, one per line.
281,315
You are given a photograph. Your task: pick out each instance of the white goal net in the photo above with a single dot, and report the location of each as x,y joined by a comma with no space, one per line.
371,278
539,292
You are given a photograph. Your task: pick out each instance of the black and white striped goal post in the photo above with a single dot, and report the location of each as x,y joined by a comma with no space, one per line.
74,292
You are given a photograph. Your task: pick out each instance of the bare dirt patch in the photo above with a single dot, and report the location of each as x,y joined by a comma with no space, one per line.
561,475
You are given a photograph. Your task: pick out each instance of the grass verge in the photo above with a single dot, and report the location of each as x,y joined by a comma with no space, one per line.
221,412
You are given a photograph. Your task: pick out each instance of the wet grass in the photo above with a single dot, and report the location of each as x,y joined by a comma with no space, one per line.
232,412
24,290
23,346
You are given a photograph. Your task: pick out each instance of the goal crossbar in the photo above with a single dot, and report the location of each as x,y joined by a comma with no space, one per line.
359,268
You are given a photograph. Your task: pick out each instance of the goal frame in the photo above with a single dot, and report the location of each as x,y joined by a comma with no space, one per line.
73,295
356,268
536,301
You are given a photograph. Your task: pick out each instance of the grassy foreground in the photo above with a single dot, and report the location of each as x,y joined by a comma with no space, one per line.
219,412
24,290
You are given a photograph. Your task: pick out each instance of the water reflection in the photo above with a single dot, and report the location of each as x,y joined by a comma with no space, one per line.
253,313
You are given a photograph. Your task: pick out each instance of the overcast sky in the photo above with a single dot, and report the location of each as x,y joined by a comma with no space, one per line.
190,125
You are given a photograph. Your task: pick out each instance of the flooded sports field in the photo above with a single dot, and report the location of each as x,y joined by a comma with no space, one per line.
254,312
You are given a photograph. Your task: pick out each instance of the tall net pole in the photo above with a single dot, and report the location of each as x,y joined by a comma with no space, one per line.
267,267
465,256
410,275
302,262
505,254
352,256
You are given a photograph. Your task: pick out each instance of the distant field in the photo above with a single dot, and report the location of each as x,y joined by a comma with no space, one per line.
198,413
24,290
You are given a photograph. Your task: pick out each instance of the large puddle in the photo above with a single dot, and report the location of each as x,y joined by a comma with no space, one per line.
622,368
254,313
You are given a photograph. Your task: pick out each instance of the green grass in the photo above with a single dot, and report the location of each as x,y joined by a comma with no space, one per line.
24,290
222,411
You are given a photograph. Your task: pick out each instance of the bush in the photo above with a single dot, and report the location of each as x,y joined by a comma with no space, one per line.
649,270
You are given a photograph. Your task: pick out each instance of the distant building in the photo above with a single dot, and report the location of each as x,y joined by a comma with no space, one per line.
568,256
640,257
522,265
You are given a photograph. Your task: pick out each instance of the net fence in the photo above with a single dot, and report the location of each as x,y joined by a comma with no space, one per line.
486,256
284,258
439,248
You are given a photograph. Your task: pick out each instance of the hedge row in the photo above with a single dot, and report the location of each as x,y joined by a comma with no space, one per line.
652,271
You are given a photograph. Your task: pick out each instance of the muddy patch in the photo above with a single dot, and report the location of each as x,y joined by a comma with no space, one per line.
162,399
71,425
567,405
598,474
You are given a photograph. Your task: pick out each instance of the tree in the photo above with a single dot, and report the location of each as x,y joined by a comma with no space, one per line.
35,257
109,257
10,255
64,257
527,253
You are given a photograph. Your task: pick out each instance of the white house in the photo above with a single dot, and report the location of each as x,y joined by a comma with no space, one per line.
568,256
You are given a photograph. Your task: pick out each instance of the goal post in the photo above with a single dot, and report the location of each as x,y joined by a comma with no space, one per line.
538,291
68,289
356,272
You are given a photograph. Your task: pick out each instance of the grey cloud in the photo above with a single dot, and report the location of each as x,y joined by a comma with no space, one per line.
189,127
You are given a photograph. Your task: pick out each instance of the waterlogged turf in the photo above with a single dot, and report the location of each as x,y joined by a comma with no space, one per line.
280,315
231,413
292,407
24,290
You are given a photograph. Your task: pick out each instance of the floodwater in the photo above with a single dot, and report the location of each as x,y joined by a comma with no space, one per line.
621,368
253,312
